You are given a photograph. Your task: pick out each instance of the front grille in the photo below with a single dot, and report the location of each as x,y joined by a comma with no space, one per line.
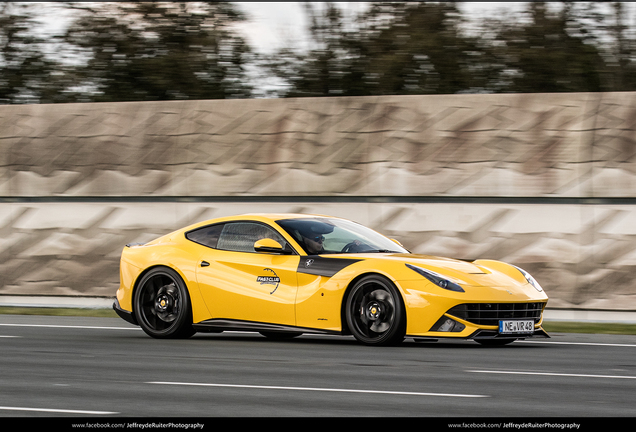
491,313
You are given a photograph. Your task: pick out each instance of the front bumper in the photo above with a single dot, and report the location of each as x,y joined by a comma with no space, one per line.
494,334
124,314
481,334
480,321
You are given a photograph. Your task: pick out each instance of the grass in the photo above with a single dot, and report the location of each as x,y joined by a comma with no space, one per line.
589,327
549,326
102,313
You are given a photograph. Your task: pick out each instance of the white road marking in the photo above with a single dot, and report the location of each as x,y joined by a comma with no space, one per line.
554,374
580,343
318,389
2,336
53,410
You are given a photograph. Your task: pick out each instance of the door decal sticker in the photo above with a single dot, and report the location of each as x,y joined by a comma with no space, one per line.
271,279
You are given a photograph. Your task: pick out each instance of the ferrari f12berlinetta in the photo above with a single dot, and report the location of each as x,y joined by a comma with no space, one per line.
287,274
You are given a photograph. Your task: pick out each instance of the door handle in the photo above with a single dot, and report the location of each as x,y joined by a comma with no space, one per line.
205,264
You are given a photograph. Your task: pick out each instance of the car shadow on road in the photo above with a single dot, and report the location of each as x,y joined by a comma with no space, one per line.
308,339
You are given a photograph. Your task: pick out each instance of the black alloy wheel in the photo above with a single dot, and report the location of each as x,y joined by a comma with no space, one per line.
162,305
375,312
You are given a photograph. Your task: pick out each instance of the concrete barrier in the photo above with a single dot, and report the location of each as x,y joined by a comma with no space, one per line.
544,181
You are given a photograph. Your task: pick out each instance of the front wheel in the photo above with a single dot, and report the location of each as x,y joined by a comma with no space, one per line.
375,312
162,305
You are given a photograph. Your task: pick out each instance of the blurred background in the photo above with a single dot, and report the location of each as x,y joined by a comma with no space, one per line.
111,52
471,130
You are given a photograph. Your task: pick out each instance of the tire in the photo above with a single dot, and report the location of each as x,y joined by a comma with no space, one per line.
375,312
162,305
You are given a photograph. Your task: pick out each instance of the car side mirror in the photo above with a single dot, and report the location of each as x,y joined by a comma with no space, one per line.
268,245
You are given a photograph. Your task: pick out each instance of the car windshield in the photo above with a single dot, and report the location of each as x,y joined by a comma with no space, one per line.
330,236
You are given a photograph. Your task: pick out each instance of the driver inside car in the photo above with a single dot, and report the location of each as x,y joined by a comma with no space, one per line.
312,235
313,243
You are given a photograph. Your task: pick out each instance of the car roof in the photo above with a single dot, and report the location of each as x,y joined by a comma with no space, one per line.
259,217
279,216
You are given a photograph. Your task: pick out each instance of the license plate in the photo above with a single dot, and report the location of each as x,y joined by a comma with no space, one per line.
516,327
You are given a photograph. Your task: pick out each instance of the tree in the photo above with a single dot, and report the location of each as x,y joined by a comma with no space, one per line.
324,69
392,48
396,48
160,51
419,48
25,72
192,50
621,56
547,51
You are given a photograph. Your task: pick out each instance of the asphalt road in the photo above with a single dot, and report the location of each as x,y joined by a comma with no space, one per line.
105,368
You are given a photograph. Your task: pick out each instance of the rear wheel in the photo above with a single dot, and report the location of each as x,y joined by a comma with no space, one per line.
162,305
375,312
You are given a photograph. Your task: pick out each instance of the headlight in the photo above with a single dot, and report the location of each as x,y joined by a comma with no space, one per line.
532,281
436,278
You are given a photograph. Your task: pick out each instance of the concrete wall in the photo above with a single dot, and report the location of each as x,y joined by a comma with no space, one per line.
544,181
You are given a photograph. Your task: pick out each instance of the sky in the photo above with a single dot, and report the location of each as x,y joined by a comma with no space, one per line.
273,24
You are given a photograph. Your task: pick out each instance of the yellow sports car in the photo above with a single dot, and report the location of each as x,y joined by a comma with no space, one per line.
287,274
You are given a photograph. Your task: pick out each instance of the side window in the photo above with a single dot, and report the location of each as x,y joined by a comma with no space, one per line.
241,236
207,236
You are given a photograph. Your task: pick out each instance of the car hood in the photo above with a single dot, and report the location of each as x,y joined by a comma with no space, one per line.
463,272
